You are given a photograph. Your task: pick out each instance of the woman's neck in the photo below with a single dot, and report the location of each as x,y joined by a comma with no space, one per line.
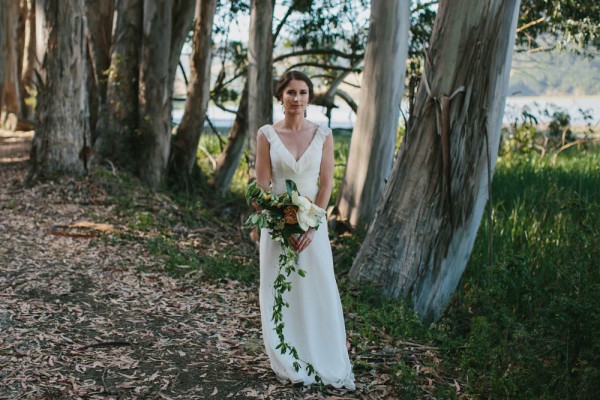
294,123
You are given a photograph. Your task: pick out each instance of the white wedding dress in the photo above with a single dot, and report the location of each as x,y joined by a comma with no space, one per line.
314,321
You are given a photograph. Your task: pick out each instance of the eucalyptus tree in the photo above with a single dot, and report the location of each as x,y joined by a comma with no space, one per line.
134,126
118,122
153,137
373,141
10,91
31,62
260,73
62,122
99,22
425,226
185,142
2,57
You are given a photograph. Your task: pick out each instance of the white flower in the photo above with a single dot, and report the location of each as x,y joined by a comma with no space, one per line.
301,202
309,215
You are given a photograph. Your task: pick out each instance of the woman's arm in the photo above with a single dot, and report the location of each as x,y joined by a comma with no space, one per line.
326,174
263,162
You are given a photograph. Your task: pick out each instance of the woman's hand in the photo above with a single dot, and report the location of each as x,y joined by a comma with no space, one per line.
300,243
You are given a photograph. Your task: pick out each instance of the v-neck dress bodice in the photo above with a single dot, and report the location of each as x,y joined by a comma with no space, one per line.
314,320
304,171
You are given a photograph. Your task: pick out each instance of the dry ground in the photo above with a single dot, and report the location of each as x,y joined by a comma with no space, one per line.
86,314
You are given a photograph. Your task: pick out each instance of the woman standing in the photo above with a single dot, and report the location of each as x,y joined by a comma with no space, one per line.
295,148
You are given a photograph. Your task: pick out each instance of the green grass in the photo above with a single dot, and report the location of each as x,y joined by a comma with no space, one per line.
526,326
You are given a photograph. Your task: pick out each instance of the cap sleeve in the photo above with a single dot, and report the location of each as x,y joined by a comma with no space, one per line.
324,131
269,133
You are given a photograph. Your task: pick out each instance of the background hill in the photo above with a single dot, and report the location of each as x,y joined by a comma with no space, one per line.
554,74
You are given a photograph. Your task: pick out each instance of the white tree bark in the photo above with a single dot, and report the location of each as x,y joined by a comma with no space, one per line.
425,227
260,74
373,141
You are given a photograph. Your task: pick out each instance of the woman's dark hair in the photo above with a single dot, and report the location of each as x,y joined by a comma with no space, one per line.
293,76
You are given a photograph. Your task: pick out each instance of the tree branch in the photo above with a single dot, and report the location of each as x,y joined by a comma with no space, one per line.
283,20
222,107
352,84
348,99
530,24
535,50
425,5
324,66
333,52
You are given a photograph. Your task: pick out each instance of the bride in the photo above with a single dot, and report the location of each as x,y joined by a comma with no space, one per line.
298,149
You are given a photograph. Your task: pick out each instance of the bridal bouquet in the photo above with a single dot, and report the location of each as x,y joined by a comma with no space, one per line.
284,215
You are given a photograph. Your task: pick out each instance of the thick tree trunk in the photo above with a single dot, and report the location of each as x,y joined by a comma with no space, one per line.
116,127
373,141
425,227
185,142
29,81
11,89
99,22
230,158
62,125
260,73
153,139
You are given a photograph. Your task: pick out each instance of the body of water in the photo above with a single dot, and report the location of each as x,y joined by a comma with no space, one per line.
344,117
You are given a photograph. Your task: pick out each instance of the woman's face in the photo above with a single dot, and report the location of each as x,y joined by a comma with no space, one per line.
295,97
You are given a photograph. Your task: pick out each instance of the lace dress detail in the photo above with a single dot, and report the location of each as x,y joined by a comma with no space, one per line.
314,321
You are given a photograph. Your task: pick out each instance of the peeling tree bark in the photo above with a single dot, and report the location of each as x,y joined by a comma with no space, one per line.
62,124
419,243
154,121
185,142
260,74
371,154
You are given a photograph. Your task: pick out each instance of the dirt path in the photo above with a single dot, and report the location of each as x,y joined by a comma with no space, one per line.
85,314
